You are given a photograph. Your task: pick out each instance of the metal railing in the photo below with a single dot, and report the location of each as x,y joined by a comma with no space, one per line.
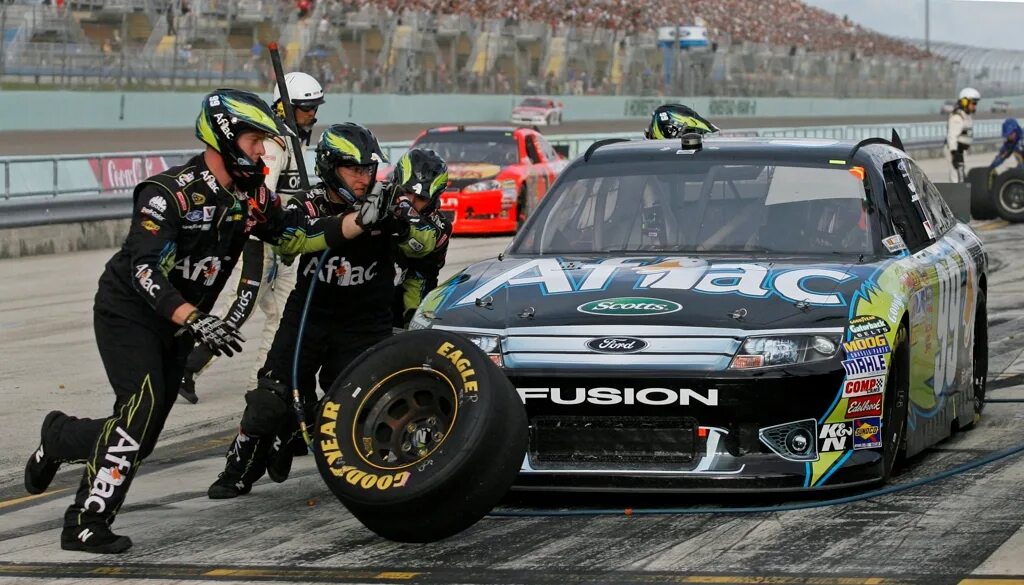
40,190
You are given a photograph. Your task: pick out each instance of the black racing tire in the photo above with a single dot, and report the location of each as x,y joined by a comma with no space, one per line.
895,405
981,197
522,207
421,436
1008,195
979,365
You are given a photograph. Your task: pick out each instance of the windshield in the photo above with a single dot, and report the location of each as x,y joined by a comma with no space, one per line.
497,148
533,103
703,207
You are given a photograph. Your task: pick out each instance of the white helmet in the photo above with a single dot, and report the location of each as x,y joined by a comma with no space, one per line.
303,90
967,93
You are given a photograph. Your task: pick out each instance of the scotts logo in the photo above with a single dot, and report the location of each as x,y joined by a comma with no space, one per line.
629,306
627,396
617,344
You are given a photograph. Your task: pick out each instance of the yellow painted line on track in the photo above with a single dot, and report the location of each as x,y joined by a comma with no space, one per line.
22,499
993,225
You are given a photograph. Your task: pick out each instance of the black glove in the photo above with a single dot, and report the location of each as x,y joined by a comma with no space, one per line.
374,207
215,334
958,158
406,213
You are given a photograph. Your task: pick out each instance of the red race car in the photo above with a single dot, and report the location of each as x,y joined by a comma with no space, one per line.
496,175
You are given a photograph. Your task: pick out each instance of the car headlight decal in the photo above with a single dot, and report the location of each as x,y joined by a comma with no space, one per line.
781,350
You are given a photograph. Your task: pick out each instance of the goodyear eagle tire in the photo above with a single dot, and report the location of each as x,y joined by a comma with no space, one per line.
981,197
421,436
1008,195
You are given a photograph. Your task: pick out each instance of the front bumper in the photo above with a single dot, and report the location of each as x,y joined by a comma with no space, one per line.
696,446
529,120
482,212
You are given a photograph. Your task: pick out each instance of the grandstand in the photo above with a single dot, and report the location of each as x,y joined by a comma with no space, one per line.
757,48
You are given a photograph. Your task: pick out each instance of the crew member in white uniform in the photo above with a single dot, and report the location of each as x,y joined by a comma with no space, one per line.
959,132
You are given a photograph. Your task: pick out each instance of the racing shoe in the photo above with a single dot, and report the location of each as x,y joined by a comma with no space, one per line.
279,462
93,538
41,468
227,487
187,389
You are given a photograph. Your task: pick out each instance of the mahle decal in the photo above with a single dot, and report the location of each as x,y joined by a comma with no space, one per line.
629,307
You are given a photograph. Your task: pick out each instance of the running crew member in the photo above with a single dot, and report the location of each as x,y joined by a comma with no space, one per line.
189,225
349,311
262,279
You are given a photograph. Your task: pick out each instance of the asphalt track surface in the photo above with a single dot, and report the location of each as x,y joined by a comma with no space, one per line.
966,529
88,141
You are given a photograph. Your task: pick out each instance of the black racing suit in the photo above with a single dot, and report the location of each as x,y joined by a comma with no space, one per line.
350,311
420,260
186,234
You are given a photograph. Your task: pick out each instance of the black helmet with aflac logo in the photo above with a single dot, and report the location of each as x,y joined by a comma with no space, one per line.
420,173
348,145
674,120
228,113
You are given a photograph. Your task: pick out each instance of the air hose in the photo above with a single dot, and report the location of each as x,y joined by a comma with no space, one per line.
297,406
892,489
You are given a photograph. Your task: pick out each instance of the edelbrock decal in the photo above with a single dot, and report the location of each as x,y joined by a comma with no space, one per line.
629,307
616,344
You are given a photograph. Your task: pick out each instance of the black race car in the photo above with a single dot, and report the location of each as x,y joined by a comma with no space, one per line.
731,313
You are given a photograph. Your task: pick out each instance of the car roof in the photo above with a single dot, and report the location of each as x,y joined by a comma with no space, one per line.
823,150
470,129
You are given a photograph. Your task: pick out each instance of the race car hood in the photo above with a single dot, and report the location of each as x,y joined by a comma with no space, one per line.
681,291
472,171
529,110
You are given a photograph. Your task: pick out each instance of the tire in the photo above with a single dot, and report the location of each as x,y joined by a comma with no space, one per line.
522,208
1008,195
897,401
421,436
981,198
979,375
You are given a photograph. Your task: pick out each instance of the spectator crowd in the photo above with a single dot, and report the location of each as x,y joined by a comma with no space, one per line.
776,22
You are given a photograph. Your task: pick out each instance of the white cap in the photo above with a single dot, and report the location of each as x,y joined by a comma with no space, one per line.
968,93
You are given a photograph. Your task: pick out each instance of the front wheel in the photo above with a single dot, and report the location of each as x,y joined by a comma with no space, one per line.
979,363
897,400
421,436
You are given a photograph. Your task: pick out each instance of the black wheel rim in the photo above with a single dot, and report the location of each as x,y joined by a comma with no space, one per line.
404,419
1011,196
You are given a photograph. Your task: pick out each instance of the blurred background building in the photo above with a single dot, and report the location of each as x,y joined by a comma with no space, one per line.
748,48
